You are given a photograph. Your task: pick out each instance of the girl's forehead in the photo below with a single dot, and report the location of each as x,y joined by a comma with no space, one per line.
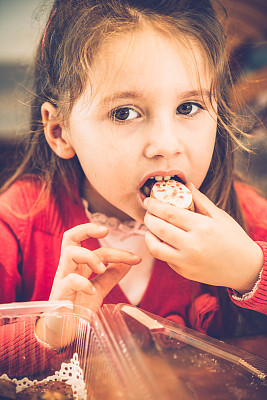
140,57
146,64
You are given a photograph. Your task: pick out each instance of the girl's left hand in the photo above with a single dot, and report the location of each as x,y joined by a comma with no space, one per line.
207,246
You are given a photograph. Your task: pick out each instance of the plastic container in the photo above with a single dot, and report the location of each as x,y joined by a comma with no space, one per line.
123,353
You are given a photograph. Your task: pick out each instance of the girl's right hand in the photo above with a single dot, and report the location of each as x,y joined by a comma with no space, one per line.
77,263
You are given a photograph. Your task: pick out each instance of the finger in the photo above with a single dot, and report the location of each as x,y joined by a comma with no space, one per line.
67,288
76,235
110,255
165,231
73,256
203,205
183,219
161,250
114,273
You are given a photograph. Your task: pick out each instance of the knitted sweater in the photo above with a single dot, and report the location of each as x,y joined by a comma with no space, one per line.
30,244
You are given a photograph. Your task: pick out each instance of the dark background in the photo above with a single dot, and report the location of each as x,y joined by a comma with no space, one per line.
21,25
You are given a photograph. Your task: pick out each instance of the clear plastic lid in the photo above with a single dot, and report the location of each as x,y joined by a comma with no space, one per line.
122,352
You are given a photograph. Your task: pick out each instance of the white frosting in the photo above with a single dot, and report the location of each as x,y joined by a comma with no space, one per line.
172,192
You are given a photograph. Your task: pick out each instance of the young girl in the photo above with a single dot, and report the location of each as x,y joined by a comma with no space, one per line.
129,92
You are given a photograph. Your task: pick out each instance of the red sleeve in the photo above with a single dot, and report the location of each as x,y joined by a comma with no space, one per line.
21,354
254,208
10,260
16,225
12,231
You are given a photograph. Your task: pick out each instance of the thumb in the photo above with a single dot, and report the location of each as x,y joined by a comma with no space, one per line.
203,205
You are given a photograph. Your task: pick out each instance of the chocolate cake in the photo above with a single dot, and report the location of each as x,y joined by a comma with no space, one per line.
7,390
52,390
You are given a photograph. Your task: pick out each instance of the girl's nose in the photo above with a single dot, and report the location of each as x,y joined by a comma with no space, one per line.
164,139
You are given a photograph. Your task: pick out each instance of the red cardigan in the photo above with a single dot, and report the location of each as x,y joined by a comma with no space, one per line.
30,249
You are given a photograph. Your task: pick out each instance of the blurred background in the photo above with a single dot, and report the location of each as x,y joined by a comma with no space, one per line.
21,26
22,23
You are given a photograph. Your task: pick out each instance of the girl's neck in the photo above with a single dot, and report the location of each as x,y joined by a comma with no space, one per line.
98,204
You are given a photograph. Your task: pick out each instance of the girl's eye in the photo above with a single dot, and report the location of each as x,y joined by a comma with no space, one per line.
124,114
188,108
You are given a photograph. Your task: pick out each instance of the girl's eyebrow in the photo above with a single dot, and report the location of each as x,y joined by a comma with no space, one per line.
120,96
196,93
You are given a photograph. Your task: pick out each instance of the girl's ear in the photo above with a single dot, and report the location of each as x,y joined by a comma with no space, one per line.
55,132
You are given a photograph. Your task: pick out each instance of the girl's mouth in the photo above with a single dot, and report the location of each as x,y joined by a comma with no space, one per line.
146,188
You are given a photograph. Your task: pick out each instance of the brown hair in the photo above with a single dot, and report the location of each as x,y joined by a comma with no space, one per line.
74,33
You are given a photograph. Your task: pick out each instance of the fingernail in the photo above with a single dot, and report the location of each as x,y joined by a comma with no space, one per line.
102,228
102,267
146,202
93,289
190,184
137,258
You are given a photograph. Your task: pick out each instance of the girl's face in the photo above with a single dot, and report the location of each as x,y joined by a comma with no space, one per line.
144,115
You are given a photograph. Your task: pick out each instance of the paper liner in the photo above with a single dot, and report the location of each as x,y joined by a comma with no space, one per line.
70,373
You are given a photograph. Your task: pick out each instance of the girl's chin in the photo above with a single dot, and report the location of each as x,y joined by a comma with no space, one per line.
138,214
141,215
